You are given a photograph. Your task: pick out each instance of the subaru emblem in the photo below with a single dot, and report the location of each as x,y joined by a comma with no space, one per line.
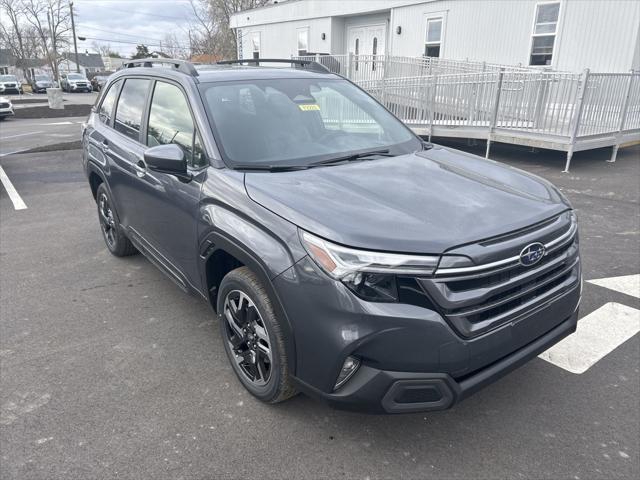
532,254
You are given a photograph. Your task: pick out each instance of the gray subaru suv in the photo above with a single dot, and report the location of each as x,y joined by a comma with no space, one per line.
344,257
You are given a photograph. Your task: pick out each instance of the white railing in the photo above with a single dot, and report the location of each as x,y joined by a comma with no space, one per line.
558,110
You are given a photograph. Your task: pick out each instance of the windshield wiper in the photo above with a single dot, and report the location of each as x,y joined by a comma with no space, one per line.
269,168
354,157
426,145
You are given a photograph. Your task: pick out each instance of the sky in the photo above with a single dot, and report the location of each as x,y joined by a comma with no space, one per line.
115,22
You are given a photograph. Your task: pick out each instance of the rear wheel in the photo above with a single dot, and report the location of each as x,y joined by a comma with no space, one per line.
253,338
117,242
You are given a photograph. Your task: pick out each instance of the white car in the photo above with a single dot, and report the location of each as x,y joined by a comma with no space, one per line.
6,108
75,82
10,84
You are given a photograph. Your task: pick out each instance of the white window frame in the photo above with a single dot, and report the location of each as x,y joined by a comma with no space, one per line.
442,16
298,32
555,34
253,35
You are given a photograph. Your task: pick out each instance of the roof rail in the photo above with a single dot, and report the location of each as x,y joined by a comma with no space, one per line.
180,65
309,64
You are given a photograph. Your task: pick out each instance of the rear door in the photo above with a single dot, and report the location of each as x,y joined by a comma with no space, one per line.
123,145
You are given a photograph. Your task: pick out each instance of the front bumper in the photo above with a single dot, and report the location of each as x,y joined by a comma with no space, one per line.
379,391
412,358
77,88
6,112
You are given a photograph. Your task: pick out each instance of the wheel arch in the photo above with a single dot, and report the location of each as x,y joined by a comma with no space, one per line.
220,248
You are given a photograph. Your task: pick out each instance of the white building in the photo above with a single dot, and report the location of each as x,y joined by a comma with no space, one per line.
569,35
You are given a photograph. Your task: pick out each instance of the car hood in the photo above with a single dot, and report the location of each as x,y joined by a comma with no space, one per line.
425,202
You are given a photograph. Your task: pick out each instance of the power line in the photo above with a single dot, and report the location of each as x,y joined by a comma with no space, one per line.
182,47
122,34
133,12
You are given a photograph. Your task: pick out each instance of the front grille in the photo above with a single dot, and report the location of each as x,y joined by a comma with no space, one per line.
478,298
4,105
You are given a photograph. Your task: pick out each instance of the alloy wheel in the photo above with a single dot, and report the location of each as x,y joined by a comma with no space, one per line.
107,221
247,338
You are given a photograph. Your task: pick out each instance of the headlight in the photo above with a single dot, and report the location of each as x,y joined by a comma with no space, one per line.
371,275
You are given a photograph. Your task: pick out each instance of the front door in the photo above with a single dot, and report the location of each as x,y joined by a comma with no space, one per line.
168,205
366,43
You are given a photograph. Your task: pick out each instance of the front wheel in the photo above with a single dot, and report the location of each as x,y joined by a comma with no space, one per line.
253,338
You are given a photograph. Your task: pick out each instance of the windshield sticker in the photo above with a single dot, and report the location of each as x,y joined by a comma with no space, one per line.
309,107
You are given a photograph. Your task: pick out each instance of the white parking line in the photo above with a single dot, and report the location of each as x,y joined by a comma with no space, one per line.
18,203
20,135
628,284
12,152
598,334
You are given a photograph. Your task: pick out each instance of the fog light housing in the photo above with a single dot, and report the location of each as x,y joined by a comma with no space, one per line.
349,367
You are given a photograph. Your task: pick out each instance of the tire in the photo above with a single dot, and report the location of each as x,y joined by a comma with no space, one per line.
278,385
115,239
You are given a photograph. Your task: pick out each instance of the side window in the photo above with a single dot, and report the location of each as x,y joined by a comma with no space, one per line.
433,38
130,107
108,102
170,121
544,33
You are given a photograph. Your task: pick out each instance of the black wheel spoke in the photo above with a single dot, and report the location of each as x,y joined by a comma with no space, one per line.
247,337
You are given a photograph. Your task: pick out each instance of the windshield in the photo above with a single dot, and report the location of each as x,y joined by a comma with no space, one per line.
43,78
8,78
75,76
300,121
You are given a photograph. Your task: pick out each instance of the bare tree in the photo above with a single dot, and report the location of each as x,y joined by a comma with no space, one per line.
51,20
104,49
172,46
211,32
18,37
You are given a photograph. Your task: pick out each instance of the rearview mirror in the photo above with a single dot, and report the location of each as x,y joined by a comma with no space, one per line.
166,159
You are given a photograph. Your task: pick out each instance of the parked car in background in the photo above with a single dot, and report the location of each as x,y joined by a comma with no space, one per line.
6,108
10,84
40,83
98,81
75,82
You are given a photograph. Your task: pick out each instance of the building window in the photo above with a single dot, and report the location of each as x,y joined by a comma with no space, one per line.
303,42
544,33
255,44
433,38
4,70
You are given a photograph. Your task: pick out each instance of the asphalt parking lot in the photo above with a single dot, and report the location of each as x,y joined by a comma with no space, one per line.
107,370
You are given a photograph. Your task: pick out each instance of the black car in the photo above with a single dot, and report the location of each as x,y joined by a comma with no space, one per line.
98,81
344,256
40,83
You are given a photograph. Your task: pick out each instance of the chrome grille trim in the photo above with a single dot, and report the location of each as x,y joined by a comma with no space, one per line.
515,260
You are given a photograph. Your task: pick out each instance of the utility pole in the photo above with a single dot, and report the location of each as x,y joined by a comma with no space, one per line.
73,30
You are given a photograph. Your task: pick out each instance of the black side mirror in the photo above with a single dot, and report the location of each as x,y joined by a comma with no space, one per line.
167,159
